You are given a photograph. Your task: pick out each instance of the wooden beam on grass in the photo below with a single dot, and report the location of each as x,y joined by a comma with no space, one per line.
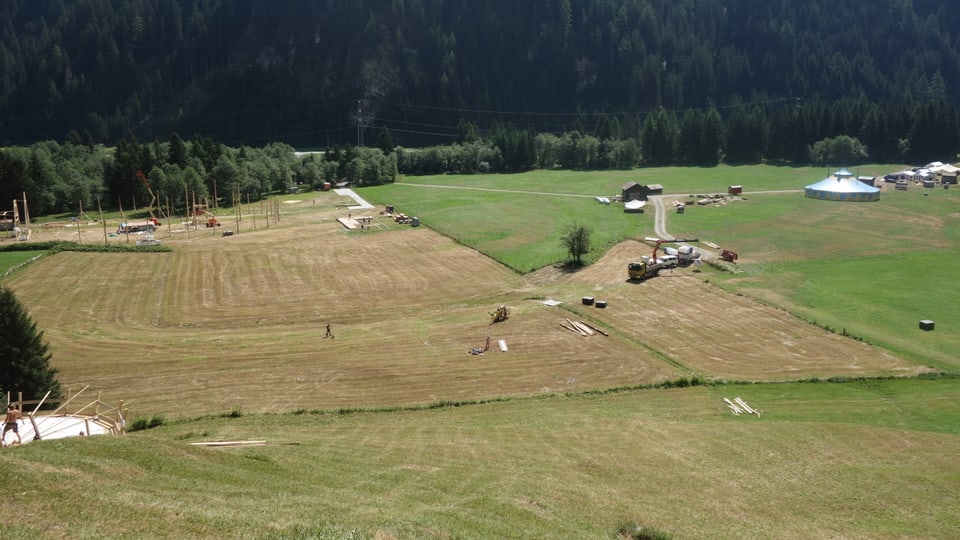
571,328
593,327
230,443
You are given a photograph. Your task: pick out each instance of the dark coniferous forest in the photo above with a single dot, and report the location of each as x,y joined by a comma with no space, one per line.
250,71
572,83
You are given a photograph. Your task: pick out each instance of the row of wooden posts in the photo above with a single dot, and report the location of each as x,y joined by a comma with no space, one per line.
269,209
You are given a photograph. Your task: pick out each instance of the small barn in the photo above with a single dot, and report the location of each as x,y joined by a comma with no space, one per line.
633,191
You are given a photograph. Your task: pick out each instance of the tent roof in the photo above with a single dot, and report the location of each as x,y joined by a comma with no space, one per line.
834,184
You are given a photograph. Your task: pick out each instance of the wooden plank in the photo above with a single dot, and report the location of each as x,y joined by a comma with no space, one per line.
594,328
570,328
576,328
229,443
743,404
584,328
736,410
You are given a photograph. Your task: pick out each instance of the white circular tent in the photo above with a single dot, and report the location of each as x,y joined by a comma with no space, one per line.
842,186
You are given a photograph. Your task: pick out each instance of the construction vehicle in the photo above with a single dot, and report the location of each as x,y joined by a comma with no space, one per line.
153,200
645,268
209,220
649,267
685,254
500,315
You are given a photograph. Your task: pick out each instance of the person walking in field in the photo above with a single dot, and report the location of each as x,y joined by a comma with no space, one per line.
10,424
329,333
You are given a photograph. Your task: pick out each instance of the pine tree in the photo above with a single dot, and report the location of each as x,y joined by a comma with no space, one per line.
24,358
385,142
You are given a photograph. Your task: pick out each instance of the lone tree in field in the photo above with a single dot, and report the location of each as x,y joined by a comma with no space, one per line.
24,359
577,242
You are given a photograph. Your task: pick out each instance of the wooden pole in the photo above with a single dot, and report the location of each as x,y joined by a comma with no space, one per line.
37,408
236,211
69,399
100,210
79,236
123,220
186,202
26,210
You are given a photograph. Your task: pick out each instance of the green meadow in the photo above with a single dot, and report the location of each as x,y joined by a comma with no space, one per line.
12,259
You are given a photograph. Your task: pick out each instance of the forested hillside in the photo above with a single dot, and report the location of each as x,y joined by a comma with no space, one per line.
300,72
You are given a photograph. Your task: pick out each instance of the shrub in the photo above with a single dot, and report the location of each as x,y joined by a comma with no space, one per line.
140,424
639,532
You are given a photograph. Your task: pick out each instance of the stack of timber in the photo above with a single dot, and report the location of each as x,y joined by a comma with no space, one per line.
738,406
583,328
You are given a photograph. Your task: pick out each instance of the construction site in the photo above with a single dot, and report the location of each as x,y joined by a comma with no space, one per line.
76,415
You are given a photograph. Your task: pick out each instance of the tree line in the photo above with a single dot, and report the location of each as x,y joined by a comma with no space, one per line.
60,177
845,132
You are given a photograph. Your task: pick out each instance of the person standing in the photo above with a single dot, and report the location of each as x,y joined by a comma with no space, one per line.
10,423
329,333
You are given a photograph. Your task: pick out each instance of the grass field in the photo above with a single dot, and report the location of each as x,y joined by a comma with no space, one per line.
855,460
392,430
13,259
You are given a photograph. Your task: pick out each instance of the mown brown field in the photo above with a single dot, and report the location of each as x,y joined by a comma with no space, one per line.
237,323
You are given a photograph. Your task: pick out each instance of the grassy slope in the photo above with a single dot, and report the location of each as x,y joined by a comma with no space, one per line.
861,459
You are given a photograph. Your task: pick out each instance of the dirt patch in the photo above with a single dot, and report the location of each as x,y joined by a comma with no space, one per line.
717,334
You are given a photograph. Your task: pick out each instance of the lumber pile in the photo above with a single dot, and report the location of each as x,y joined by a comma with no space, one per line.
583,328
738,406
230,443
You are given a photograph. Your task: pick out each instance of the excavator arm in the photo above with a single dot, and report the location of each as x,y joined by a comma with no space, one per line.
153,197
660,241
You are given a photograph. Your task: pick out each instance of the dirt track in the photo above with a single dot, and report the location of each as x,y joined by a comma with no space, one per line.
237,322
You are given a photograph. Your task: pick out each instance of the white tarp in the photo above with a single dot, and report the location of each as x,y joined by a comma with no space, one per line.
634,205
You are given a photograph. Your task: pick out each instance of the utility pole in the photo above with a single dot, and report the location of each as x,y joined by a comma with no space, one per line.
359,123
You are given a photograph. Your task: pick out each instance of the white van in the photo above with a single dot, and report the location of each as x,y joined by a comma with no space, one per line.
668,261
